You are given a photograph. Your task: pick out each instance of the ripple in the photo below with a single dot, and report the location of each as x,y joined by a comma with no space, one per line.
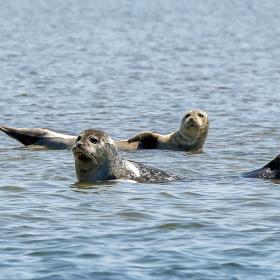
51,252
168,195
177,226
12,189
134,216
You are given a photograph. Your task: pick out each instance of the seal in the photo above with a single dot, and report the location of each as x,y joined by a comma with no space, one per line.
191,135
270,171
97,159
48,139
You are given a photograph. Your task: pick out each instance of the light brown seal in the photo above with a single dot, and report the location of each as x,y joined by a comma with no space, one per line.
191,135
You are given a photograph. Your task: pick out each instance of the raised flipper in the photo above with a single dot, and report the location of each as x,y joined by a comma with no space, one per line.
40,137
146,139
269,171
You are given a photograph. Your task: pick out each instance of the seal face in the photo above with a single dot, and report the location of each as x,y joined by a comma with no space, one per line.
191,135
97,159
193,130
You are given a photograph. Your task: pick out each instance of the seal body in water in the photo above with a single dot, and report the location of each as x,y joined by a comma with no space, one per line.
97,159
269,171
41,137
191,135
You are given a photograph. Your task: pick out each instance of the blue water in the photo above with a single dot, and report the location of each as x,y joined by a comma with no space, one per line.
126,66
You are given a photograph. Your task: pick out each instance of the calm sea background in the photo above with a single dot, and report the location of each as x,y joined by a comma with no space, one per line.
126,66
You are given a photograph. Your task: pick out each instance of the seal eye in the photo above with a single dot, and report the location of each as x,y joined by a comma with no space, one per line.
187,115
94,140
78,139
200,115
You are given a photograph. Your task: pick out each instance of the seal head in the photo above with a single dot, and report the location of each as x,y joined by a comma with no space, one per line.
94,153
193,130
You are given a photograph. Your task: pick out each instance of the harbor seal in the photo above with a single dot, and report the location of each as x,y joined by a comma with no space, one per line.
270,171
97,159
191,135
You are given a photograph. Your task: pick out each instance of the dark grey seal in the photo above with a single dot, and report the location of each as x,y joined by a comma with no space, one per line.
97,159
270,171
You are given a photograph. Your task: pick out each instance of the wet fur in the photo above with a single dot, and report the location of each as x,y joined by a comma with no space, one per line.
190,137
269,171
103,162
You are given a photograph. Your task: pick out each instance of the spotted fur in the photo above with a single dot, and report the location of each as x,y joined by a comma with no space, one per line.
99,160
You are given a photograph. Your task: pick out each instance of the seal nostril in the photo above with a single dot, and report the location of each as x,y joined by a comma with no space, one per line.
78,145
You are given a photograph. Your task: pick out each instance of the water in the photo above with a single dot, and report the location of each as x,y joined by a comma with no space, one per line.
126,66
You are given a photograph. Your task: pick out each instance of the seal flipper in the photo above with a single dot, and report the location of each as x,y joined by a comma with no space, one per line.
269,171
20,135
148,142
146,139
40,137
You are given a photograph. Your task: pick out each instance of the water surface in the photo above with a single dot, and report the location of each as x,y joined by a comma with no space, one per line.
125,66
